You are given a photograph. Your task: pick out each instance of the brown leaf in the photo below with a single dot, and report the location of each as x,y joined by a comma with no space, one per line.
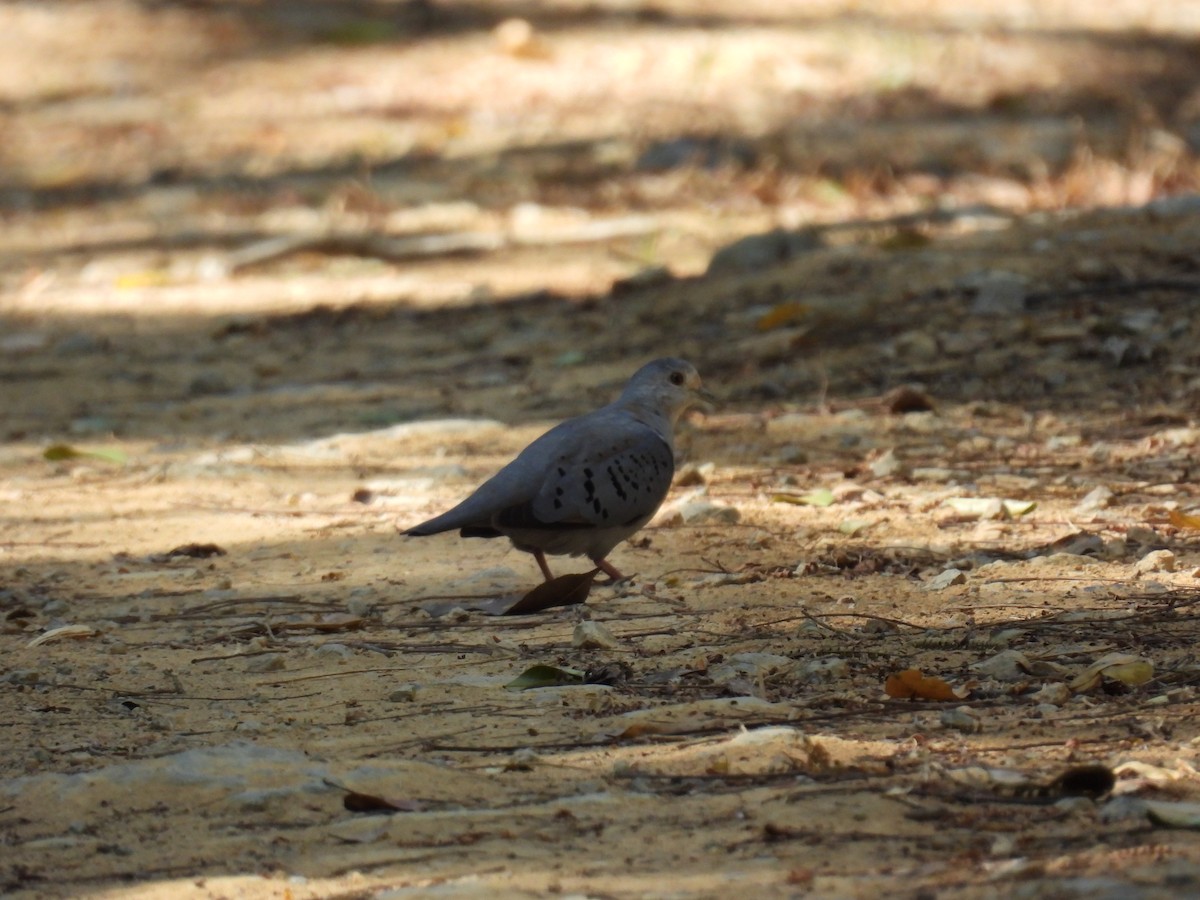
188,551
640,729
907,399
1093,781
565,590
772,833
905,239
356,802
782,314
1182,519
912,685
329,622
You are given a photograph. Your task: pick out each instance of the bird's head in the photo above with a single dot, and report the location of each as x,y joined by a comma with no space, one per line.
667,385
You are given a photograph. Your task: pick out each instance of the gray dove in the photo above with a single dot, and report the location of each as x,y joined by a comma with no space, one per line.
590,482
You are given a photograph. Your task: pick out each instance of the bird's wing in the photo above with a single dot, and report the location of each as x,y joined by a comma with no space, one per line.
599,470
514,487
608,477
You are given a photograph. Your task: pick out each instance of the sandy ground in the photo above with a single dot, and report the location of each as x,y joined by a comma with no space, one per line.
958,436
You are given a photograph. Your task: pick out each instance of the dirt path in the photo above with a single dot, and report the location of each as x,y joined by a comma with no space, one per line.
959,436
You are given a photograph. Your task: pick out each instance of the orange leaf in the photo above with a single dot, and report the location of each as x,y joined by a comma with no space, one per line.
1183,520
638,729
912,685
788,313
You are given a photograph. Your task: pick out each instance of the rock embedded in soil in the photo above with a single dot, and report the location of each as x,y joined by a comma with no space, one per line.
593,636
1156,561
1095,500
946,579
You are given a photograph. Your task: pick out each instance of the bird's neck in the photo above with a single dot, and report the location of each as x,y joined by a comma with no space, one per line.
663,425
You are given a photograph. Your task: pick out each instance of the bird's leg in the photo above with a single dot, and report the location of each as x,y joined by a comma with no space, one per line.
541,561
608,569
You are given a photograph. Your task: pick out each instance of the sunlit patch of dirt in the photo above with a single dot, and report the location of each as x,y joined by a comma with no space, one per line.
337,265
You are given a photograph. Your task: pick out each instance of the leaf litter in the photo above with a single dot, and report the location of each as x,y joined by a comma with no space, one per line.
1029,375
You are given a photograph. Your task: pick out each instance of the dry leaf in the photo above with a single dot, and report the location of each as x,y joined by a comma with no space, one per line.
356,801
907,399
188,551
782,314
1173,815
1131,674
640,729
1126,668
818,497
544,676
912,685
1094,781
329,622
692,717
143,279
1182,519
990,507
565,590
905,239
64,631
59,452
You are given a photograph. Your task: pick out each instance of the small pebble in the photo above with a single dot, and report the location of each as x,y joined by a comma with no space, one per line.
404,694
593,636
691,474
705,511
961,719
1055,694
886,465
946,579
273,662
208,383
522,760
1096,499
821,671
1156,561
937,474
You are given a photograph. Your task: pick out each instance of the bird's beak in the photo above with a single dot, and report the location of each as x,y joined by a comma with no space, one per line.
707,397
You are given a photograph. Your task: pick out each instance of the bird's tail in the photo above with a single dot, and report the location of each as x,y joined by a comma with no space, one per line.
425,528
453,520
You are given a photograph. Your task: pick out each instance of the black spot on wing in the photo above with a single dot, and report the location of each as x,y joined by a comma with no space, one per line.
616,475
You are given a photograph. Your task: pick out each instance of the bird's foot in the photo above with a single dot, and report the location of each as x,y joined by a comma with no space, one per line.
614,574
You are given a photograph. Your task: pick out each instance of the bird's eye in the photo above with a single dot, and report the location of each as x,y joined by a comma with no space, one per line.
677,378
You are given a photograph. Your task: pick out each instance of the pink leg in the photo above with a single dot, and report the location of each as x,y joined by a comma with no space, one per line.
608,569
541,561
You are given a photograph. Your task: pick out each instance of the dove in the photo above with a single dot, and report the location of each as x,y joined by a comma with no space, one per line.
589,482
